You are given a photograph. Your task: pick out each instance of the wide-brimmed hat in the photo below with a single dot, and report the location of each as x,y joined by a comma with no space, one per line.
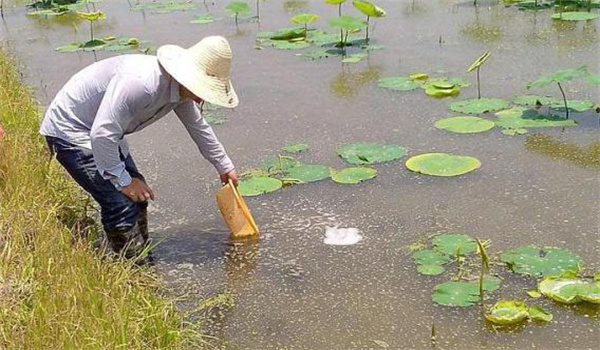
203,69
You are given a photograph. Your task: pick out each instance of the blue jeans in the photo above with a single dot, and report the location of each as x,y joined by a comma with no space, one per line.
119,214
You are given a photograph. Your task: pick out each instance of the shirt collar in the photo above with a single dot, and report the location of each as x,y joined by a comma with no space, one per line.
174,97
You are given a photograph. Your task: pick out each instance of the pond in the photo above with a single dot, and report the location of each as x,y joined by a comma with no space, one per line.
290,290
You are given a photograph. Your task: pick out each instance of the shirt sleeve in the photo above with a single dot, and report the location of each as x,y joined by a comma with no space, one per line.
124,95
204,137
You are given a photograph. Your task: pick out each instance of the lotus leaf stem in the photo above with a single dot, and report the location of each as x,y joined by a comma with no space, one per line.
564,99
478,85
258,10
367,30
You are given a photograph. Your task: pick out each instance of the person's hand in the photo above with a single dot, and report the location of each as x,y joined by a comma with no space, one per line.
230,175
138,191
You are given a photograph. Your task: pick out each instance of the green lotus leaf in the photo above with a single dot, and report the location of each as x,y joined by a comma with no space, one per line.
353,176
507,312
348,23
430,257
214,120
534,5
321,38
419,76
92,16
95,44
435,91
430,270
532,261
478,62
305,18
442,164
462,294
459,82
574,105
296,148
203,19
592,294
521,117
281,163
371,153
289,34
514,132
335,2
574,16
369,9
566,291
536,313
533,100
308,173
238,7
287,45
534,294
73,47
465,125
398,83
55,11
256,186
478,106
441,84
355,58
560,76
592,79
455,244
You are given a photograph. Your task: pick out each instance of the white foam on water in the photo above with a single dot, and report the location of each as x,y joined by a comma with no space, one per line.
341,236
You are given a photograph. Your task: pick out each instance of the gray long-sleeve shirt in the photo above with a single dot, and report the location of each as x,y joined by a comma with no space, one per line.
117,96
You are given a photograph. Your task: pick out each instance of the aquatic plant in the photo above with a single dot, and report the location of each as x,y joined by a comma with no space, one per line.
574,16
465,124
558,77
305,19
353,176
475,66
203,19
485,265
570,290
398,83
307,173
339,4
92,17
238,8
369,10
256,186
347,25
442,164
479,106
462,294
371,153
514,121
533,261
430,261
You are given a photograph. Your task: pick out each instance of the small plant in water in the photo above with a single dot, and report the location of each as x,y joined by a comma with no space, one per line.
238,8
339,4
475,67
305,19
92,17
561,76
347,25
485,264
370,10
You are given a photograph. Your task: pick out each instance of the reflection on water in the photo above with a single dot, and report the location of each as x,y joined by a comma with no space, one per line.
561,150
348,83
294,7
416,8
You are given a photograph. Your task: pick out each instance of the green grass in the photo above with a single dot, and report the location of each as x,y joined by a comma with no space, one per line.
55,292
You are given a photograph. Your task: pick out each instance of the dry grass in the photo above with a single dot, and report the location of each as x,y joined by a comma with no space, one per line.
55,292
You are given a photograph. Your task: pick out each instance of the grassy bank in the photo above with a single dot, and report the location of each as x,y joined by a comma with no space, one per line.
54,292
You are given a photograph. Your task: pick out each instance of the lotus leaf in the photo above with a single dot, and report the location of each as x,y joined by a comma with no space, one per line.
353,176
560,76
369,9
355,58
419,76
281,163
592,79
574,16
564,290
521,117
478,62
462,294
532,261
372,47
55,11
238,7
442,164
455,244
514,132
92,16
73,47
289,34
305,18
335,2
256,186
287,45
534,5
459,81
533,100
93,44
321,38
203,19
430,270
536,313
348,23
507,312
296,148
308,173
438,92
478,106
214,120
398,83
430,257
574,105
592,294
534,294
371,153
465,125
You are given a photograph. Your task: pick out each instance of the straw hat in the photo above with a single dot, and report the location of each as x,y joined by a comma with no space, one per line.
203,69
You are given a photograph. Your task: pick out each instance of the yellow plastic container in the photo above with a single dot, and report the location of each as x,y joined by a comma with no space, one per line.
235,212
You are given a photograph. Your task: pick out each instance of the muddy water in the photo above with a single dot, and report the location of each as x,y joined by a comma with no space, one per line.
291,291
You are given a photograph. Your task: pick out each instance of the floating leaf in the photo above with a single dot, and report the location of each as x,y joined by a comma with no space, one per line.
289,34
532,261
305,18
430,257
534,294
335,2
442,164
308,173
55,11
398,83
430,270
256,186
440,92
296,148
592,79
238,8
592,294
574,105
348,23
533,100
419,76
214,120
287,45
521,117
281,163
574,16
507,312
566,291
92,16
478,62
203,19
462,294
371,153
465,125
478,106
353,176
455,244
73,47
560,76
369,9
536,313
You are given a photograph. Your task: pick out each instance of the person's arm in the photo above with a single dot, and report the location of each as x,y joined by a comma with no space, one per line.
206,140
124,95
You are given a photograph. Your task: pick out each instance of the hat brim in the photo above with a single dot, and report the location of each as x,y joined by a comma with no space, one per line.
178,63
